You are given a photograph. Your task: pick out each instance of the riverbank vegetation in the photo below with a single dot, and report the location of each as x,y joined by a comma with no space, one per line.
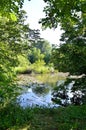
13,117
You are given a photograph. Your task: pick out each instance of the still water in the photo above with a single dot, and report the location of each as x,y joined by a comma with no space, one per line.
37,89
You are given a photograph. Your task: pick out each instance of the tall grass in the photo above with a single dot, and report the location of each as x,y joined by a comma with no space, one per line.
13,117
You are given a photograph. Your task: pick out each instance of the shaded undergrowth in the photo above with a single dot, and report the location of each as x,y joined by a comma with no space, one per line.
69,118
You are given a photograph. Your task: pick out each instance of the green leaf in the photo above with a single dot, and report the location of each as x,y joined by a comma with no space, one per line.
13,17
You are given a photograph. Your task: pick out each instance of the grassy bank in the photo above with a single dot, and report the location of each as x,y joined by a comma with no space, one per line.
70,118
38,67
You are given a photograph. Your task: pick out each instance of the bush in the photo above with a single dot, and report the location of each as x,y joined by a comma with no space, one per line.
39,67
23,64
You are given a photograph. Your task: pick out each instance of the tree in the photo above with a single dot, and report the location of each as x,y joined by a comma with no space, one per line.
41,44
70,58
10,8
45,49
13,41
64,12
35,55
71,54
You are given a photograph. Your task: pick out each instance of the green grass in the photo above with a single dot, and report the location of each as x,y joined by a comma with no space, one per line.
34,69
69,118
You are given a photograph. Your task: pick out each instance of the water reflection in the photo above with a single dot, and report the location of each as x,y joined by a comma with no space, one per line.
41,90
39,93
37,96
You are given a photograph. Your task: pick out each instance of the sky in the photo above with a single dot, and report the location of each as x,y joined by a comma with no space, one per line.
34,9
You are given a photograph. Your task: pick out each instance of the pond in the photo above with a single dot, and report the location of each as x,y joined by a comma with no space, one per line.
37,89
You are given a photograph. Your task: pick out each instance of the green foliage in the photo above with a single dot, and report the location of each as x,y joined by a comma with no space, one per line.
35,55
64,12
23,64
39,67
40,44
7,75
12,42
70,58
71,54
16,118
14,33
10,8
45,49
72,91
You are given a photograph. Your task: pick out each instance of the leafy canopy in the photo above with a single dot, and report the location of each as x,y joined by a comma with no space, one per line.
13,41
71,54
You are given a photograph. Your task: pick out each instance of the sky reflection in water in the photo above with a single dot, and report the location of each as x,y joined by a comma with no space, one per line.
39,94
